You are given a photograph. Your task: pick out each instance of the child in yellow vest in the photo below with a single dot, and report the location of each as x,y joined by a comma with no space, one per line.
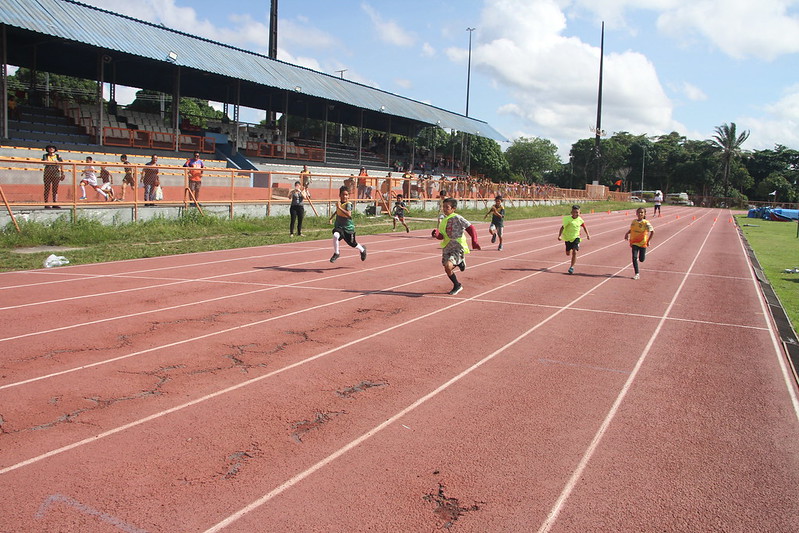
454,249
570,234
639,235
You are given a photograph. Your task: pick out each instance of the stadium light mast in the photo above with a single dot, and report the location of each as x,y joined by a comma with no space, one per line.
469,69
273,30
598,130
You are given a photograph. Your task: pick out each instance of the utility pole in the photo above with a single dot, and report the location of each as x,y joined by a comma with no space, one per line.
597,149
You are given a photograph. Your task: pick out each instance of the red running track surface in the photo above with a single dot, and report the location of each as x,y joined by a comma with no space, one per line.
266,389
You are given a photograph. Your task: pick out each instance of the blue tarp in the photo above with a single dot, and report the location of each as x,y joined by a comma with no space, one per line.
771,213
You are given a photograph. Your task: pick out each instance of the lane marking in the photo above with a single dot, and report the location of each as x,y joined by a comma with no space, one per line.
589,452
185,405
354,443
85,509
787,375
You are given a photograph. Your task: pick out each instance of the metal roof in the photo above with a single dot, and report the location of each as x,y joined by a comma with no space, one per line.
67,37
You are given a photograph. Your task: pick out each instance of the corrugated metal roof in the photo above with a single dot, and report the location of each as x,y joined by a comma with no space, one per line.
73,21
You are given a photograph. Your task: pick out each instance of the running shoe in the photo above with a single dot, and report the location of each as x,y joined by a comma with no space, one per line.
407,230
363,254
571,270
82,198
499,248
333,259
493,238
636,276
456,289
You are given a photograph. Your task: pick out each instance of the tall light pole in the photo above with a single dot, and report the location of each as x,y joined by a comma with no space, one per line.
643,164
468,84
469,69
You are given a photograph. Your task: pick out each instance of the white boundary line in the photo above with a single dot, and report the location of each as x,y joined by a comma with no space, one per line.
375,430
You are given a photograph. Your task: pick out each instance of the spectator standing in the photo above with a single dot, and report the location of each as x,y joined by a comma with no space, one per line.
53,174
195,175
658,201
305,178
297,209
150,180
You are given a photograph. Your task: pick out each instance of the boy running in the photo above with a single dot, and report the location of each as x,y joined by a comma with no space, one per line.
128,179
570,234
454,249
107,187
344,228
90,178
640,235
497,213
399,214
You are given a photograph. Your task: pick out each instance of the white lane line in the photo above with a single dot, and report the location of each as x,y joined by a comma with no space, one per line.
787,376
375,430
589,452
193,339
214,278
259,378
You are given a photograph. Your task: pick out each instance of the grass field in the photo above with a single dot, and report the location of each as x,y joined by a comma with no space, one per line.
90,242
777,249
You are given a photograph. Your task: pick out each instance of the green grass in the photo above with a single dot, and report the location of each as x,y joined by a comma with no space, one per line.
777,248
192,232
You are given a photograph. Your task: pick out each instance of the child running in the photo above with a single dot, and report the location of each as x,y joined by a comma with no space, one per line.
399,214
107,187
450,231
570,234
497,213
640,235
128,179
344,228
90,178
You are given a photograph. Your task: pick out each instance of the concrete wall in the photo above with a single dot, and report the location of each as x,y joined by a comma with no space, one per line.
112,214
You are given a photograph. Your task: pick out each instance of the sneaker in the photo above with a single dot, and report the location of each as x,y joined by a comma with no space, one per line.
291,235
301,235
571,270
636,276
333,259
363,255
493,238
462,265
499,248
82,198
456,289
407,230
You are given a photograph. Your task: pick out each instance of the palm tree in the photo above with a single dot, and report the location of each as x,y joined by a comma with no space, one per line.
730,145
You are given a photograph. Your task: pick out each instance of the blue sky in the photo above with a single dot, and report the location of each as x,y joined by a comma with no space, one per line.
670,65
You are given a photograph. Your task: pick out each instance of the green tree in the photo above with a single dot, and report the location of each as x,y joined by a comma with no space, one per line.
531,159
487,159
67,87
729,143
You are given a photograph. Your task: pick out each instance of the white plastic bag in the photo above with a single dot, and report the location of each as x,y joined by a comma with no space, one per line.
55,261
159,193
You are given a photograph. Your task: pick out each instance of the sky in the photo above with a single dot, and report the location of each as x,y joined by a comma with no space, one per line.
669,65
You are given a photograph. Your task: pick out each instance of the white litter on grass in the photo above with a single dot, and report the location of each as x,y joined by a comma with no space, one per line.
794,270
55,261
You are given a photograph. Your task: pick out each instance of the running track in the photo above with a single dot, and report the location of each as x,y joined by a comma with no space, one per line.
266,389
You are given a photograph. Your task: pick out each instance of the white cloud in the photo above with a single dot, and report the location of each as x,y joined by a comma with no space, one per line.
692,92
388,30
739,28
428,50
779,126
405,84
552,79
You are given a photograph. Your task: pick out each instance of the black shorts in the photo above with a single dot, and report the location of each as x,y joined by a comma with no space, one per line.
348,237
573,245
